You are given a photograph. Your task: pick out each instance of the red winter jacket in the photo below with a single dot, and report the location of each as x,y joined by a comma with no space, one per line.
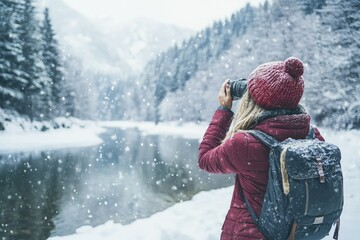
245,156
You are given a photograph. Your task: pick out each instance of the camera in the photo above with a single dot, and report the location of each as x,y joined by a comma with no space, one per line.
237,88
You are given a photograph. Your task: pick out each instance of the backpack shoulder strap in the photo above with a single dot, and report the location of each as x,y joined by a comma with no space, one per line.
270,142
264,138
252,213
247,204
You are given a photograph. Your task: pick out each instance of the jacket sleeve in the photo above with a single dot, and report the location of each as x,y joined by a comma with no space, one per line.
213,154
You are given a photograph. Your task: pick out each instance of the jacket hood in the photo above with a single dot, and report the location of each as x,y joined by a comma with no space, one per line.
285,123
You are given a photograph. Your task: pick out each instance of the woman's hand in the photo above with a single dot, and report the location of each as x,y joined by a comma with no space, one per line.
224,96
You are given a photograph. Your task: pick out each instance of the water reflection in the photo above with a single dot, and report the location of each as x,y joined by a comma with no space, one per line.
129,176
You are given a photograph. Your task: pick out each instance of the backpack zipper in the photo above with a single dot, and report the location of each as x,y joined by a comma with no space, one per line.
306,197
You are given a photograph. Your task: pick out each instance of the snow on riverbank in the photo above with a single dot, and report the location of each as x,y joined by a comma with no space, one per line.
186,130
201,218
79,134
49,140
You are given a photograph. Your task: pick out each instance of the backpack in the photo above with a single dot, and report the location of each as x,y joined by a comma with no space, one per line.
304,195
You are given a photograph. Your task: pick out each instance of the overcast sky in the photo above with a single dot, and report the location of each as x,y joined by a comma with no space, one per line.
193,14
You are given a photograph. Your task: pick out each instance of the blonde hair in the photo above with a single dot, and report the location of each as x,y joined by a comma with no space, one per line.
246,115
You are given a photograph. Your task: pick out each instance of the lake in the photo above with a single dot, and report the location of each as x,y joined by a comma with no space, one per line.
129,176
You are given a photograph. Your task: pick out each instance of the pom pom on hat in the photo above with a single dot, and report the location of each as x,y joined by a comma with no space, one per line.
277,85
294,67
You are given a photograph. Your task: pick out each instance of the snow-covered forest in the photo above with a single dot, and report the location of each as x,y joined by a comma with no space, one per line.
40,81
181,83
32,80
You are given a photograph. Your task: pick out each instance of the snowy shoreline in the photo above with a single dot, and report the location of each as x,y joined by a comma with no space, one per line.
19,134
50,140
24,136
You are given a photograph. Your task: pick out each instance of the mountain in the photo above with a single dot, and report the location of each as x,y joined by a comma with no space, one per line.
104,57
81,39
142,39
106,46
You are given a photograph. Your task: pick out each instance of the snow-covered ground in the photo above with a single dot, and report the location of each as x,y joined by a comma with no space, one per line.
21,135
18,133
202,217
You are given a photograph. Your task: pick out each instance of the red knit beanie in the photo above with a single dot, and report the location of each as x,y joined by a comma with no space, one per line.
277,84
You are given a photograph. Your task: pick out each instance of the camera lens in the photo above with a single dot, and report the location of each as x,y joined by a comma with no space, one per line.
238,88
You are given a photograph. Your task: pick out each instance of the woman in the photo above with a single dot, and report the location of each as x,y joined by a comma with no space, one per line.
270,104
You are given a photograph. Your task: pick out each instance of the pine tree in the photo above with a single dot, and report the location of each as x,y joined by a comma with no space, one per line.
78,99
53,67
310,6
12,79
32,65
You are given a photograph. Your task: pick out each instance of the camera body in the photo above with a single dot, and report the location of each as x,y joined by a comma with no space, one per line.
237,88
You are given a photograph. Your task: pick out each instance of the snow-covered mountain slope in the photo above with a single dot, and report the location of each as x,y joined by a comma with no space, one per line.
142,39
81,39
107,46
